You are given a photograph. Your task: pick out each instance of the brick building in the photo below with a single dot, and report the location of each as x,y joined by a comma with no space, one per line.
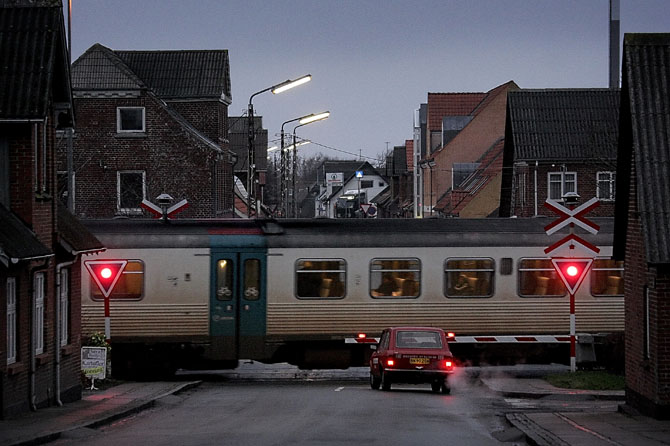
464,131
642,220
41,244
149,123
559,141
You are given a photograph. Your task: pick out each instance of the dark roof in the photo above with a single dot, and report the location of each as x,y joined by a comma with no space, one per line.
17,241
74,236
99,68
644,145
34,65
186,74
563,124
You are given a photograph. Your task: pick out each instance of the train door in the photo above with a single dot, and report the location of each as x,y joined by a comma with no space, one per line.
237,304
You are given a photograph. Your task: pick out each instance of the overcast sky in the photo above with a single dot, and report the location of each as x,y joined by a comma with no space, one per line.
372,62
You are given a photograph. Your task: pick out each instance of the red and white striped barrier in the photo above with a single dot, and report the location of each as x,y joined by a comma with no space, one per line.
546,339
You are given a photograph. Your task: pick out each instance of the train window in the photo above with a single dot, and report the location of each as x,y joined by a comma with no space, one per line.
395,278
130,285
469,277
252,279
607,277
224,279
320,278
538,278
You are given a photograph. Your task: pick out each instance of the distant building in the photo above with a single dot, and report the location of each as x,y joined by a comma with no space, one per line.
238,137
41,244
396,201
642,223
149,123
340,187
559,141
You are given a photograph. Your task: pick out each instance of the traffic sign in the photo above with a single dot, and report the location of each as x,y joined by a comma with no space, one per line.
572,246
572,271
574,216
105,273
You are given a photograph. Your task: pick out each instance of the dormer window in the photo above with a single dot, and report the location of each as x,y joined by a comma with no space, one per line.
130,120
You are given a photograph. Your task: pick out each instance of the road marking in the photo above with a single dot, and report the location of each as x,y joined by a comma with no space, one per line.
339,389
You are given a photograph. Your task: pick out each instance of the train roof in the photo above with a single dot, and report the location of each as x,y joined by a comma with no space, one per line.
138,233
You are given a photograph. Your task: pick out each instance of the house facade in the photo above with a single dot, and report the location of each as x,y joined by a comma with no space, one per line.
556,142
460,171
41,243
151,123
642,220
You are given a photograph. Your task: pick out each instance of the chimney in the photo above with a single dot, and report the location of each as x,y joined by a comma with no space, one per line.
614,43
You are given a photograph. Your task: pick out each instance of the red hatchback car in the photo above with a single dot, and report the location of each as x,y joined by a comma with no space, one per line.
412,355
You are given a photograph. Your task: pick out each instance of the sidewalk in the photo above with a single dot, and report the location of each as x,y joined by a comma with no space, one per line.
94,409
579,428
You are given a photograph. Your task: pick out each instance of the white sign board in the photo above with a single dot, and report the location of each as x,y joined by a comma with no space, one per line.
335,179
94,362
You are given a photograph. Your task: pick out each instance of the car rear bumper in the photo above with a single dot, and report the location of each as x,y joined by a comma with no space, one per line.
416,376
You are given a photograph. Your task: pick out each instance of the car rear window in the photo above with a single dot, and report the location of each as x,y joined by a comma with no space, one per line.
418,339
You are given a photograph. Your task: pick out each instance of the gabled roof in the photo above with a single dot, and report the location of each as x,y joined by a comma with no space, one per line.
171,75
100,68
17,241
644,142
182,74
571,124
34,68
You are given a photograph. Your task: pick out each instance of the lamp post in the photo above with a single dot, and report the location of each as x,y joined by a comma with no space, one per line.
284,165
431,164
251,167
314,117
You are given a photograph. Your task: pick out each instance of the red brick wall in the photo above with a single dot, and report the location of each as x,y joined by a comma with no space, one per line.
209,117
37,211
175,161
647,377
586,188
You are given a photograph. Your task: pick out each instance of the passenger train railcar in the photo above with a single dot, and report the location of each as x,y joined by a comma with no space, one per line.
208,293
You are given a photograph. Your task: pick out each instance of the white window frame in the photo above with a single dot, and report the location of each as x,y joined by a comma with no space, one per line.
610,183
118,120
126,211
38,323
64,302
11,320
563,180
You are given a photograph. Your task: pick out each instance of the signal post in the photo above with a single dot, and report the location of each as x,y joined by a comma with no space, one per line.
572,256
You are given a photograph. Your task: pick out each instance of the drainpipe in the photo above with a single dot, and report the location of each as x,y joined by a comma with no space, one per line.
535,186
59,267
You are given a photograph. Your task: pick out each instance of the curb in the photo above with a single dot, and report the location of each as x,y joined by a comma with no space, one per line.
130,409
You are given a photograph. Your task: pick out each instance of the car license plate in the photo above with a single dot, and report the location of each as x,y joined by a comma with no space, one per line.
421,361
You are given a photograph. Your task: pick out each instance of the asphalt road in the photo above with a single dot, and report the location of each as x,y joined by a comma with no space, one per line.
304,412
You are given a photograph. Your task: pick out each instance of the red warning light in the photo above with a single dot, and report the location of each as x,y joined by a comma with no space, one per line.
105,273
572,271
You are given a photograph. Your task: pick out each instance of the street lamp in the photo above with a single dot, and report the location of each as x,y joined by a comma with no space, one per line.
251,167
284,158
314,117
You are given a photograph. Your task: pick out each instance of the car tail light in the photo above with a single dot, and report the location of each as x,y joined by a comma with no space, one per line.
390,362
448,364
450,336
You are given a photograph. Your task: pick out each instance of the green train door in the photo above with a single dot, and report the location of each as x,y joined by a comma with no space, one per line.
237,305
